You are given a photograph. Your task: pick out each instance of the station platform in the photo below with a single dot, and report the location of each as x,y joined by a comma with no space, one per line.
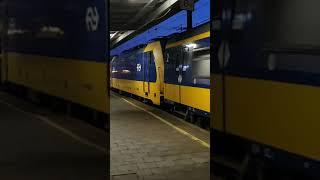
37,144
149,143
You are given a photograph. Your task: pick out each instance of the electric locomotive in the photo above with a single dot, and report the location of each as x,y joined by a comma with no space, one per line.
172,71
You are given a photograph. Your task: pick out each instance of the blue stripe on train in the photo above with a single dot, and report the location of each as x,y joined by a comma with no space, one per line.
296,67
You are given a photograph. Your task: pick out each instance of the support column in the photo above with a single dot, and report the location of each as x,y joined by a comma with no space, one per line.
4,42
189,20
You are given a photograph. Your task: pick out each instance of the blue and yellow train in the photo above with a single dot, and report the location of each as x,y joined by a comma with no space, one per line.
55,48
174,70
266,72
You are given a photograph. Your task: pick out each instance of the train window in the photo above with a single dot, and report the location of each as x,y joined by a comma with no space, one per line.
292,23
173,58
152,68
197,63
278,40
201,63
172,55
167,57
189,64
113,67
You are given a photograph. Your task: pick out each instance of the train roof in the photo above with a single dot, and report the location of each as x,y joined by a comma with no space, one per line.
174,37
181,36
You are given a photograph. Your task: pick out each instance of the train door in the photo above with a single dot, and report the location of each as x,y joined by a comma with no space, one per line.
3,44
1,64
221,25
185,75
185,63
146,81
172,62
181,68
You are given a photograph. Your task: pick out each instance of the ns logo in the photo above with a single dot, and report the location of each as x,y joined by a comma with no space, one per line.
139,67
92,19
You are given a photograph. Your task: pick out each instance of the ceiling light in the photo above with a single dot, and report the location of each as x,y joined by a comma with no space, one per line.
191,45
112,35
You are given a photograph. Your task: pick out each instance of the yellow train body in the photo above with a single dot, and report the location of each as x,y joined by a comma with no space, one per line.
82,82
278,114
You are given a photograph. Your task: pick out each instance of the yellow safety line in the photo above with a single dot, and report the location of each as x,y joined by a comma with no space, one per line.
170,124
56,126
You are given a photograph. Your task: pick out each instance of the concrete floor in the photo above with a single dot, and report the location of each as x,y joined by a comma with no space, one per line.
143,147
33,149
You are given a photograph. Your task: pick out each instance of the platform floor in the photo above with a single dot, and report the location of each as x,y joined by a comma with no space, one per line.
38,145
144,146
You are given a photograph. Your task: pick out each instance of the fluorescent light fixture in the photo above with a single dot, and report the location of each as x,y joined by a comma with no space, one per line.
191,45
52,29
15,31
111,35
126,71
138,1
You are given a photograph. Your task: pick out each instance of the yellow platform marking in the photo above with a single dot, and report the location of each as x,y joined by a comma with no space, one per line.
169,124
58,127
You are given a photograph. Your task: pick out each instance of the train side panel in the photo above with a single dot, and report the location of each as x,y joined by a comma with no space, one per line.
49,54
172,92
142,78
195,97
216,94
187,75
157,51
81,82
267,75
282,115
136,88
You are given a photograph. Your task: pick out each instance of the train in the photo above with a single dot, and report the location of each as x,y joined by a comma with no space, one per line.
170,72
59,49
266,90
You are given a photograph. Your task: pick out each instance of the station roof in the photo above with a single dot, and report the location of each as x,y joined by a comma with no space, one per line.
173,23
127,14
131,17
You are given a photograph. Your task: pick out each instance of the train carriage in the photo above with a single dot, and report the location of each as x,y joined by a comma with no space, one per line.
187,71
266,92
